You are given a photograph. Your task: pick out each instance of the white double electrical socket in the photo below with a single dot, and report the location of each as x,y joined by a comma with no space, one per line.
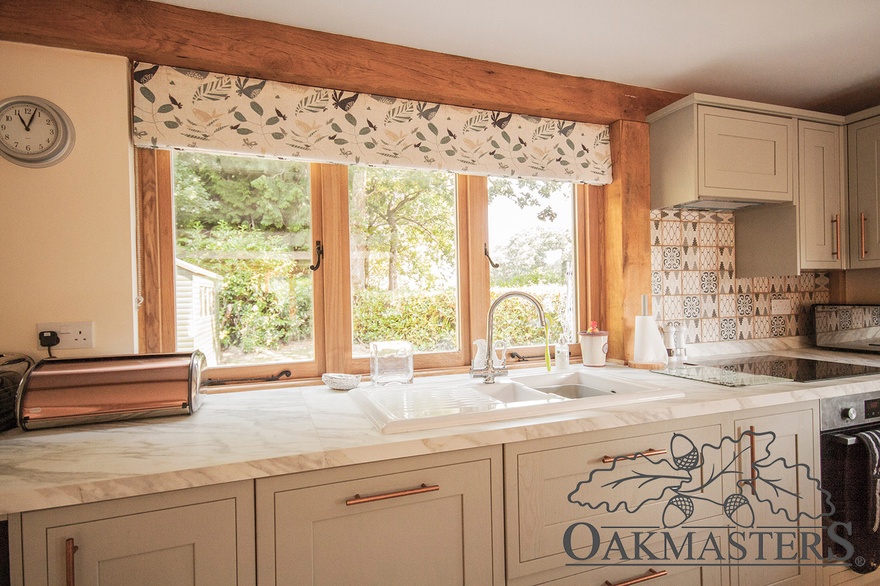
780,306
72,334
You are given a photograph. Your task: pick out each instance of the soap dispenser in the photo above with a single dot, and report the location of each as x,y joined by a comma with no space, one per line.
563,354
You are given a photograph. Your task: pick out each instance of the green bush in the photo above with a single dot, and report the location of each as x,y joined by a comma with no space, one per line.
517,320
426,319
253,317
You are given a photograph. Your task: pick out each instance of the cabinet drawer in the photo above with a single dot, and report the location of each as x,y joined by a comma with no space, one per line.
437,524
543,475
662,572
745,155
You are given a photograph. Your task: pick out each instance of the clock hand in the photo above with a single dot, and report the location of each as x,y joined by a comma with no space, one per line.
23,123
34,113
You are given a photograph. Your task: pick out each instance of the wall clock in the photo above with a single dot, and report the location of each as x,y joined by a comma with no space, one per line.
34,132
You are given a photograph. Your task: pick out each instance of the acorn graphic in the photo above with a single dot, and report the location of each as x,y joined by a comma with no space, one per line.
678,510
684,453
738,503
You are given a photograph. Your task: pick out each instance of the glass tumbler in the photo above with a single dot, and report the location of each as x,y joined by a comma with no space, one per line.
391,363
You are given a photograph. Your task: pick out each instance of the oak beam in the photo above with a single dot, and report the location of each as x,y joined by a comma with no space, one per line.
627,238
182,37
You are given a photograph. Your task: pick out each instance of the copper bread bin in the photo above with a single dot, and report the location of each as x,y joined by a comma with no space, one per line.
13,368
73,391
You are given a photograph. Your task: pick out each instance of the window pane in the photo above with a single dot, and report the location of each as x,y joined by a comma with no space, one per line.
243,247
404,283
531,235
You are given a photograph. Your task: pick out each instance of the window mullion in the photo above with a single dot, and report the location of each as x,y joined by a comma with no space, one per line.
336,269
586,261
475,237
156,315
318,281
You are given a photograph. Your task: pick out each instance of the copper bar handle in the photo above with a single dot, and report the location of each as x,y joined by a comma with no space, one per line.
862,252
651,575
70,568
650,452
358,499
836,221
752,458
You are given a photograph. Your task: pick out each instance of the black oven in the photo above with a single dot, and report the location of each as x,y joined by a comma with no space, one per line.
846,475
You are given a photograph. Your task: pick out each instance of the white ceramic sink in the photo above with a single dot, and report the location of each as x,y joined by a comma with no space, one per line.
428,404
578,384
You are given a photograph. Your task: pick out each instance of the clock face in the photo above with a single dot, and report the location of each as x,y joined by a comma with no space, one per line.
34,132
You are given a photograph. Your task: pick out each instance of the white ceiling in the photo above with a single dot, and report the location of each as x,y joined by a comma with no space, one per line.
817,54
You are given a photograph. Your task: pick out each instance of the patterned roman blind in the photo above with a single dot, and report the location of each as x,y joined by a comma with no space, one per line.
188,109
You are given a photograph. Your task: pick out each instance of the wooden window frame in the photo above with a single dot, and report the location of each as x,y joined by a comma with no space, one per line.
584,246
332,282
157,313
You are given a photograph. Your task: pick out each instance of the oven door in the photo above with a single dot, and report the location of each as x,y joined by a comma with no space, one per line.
847,478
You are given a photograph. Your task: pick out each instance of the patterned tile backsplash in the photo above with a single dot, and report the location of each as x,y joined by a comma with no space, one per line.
693,283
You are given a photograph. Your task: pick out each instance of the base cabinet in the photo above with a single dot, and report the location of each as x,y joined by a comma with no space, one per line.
433,519
202,536
840,575
577,504
784,503
649,573
658,503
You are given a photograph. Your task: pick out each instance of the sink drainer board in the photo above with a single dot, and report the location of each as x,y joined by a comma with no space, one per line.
400,408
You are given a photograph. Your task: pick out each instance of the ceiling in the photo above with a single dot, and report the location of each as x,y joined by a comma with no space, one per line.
815,54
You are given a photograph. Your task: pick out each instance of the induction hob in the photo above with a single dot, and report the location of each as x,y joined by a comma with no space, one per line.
759,370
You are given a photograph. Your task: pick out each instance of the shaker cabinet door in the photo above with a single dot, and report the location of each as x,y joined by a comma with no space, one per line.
745,156
426,520
546,490
864,193
192,537
821,196
783,502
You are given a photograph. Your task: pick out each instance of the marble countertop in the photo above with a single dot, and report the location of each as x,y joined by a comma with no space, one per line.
255,434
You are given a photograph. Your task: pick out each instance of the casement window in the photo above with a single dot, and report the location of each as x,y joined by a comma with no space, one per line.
531,240
269,265
309,263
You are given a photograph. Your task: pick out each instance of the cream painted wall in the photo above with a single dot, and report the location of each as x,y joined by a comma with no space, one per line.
863,286
67,249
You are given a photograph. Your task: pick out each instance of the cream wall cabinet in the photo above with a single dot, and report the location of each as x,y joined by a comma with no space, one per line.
717,153
434,519
200,536
812,235
822,196
541,474
864,193
702,153
745,155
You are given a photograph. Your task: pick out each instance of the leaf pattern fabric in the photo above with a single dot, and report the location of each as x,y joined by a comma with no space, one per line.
187,109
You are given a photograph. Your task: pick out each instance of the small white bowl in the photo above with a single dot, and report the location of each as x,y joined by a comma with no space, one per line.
341,382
